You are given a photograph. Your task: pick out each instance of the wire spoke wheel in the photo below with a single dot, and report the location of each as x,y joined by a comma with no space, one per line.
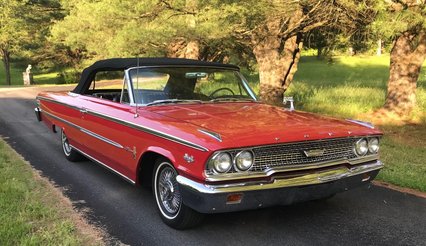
169,197
168,193
70,153
65,144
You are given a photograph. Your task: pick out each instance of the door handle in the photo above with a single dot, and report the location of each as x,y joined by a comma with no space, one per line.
83,110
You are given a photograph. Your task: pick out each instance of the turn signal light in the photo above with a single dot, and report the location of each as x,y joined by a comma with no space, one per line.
234,198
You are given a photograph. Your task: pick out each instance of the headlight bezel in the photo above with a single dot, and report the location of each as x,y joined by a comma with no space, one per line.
357,147
369,150
215,157
237,167
370,140
210,167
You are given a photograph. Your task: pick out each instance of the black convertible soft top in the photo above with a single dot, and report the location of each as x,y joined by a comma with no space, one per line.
120,64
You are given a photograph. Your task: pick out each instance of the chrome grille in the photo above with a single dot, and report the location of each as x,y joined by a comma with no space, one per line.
292,154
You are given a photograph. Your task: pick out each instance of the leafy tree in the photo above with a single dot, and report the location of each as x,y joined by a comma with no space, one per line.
404,21
24,26
13,31
268,30
126,28
39,17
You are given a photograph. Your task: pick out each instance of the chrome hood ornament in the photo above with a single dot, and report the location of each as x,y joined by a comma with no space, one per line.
290,100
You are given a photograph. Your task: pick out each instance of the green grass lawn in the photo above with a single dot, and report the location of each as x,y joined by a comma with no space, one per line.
353,86
31,212
46,78
15,73
404,154
40,78
349,87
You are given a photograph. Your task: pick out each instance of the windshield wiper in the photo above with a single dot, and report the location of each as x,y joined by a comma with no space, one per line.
168,101
232,99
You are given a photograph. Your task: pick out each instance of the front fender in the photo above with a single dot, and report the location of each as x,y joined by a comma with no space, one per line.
161,151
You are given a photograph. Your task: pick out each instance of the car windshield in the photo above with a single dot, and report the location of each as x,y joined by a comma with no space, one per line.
171,85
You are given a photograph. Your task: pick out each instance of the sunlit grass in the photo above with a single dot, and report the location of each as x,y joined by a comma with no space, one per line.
404,153
16,74
350,87
30,211
47,78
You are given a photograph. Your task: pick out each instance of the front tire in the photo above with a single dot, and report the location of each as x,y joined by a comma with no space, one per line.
70,153
169,199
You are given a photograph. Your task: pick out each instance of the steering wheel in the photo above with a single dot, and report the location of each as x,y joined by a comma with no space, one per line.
221,89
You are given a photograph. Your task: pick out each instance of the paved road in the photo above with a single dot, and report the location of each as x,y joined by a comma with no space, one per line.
366,216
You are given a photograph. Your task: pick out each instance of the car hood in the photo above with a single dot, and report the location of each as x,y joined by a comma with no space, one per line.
251,124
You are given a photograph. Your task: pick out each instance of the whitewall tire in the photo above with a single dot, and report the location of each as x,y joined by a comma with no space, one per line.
169,198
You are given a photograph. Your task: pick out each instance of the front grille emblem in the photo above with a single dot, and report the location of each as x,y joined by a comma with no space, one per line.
314,152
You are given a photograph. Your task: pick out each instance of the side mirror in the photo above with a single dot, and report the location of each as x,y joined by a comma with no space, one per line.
289,100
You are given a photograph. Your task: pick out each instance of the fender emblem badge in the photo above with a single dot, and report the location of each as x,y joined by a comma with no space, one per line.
188,158
132,151
314,152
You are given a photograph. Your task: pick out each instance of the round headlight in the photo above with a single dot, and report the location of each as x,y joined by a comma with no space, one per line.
222,162
361,147
244,160
373,145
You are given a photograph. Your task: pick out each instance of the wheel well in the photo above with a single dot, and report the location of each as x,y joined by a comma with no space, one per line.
146,167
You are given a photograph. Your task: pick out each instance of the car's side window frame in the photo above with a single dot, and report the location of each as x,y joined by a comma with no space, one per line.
129,87
125,88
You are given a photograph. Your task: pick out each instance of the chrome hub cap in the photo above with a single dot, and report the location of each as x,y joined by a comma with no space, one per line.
65,144
168,192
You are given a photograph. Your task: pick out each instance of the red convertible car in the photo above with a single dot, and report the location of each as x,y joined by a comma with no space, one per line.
198,134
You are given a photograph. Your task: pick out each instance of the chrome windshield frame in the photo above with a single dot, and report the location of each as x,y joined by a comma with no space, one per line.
132,100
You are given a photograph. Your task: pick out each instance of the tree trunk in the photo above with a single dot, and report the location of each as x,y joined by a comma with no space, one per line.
277,61
407,56
379,47
180,48
192,50
6,62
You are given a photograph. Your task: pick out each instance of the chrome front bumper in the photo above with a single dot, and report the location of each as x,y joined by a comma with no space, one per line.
278,190
37,112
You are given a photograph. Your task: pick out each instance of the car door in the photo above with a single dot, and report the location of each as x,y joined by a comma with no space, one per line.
107,140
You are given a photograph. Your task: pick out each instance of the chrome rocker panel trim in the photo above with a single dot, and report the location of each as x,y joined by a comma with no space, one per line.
104,165
316,177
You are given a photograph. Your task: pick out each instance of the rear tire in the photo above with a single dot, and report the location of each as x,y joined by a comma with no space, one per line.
168,198
70,153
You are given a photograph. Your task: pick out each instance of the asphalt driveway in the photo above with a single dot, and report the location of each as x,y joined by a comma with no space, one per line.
365,216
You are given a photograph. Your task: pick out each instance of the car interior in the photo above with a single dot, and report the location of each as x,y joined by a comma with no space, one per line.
153,86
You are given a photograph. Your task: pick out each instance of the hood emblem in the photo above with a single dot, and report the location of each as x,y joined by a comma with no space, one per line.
314,152
211,134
